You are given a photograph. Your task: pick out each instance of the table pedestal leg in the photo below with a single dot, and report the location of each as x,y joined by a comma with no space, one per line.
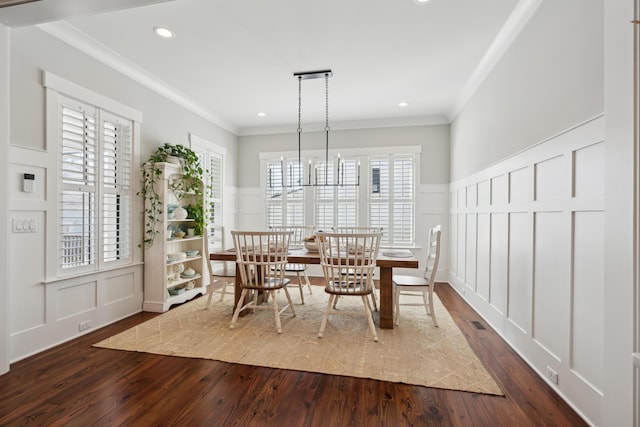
386,298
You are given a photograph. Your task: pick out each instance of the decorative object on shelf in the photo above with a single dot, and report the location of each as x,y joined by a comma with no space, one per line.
179,234
189,272
178,268
190,182
340,163
177,256
192,253
180,213
176,291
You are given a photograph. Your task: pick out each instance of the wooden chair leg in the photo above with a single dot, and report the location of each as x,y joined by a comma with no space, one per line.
300,286
236,313
326,315
274,304
372,326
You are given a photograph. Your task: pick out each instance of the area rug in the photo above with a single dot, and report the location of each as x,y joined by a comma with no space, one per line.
415,352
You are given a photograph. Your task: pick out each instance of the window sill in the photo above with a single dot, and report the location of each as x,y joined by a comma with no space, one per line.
90,273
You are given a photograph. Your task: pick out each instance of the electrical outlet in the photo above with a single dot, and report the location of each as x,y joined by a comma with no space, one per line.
552,375
84,325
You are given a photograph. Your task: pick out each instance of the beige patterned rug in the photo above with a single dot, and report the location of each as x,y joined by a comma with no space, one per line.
415,352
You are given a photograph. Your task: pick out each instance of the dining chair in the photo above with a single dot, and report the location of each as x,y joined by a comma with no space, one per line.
261,257
412,286
221,273
348,261
359,230
297,242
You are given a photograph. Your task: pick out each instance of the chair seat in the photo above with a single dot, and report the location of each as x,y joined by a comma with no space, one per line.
295,267
401,280
224,272
347,288
269,284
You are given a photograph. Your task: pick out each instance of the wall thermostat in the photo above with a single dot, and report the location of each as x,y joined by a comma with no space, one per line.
28,182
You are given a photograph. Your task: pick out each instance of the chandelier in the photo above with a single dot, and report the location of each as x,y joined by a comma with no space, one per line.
340,172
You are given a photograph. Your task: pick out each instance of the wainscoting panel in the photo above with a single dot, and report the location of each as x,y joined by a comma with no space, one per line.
587,354
46,311
76,299
549,173
483,244
520,292
471,251
551,281
528,248
119,287
498,262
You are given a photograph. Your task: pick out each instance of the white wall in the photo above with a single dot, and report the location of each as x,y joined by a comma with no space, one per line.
434,161
621,168
543,235
4,199
549,80
44,314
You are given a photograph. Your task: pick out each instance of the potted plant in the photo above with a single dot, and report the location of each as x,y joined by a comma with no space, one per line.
189,183
196,212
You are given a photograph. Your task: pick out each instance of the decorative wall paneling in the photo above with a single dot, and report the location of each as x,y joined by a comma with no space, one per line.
46,314
526,251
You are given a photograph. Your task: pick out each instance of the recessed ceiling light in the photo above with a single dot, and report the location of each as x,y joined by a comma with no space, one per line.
164,32
403,104
261,114
420,1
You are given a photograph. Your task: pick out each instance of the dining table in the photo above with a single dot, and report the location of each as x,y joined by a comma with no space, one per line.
386,261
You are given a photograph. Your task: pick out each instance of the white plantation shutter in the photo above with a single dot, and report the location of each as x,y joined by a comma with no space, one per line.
116,198
78,169
403,201
284,206
215,182
385,199
347,196
211,164
96,150
392,198
336,206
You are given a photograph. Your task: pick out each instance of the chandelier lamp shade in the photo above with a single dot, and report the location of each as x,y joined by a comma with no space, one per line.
312,179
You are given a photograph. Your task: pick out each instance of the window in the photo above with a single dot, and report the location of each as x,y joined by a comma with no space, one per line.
95,188
385,197
91,139
211,158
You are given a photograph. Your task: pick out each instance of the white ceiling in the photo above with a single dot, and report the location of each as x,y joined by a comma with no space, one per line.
231,59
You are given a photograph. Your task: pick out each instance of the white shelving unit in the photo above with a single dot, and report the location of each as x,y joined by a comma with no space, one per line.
162,286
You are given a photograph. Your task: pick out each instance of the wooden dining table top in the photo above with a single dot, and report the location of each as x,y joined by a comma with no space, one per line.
394,258
304,256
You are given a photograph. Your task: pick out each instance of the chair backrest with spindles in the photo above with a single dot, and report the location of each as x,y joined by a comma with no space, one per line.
348,261
261,257
433,254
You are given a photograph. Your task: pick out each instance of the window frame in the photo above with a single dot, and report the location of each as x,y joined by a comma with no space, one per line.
59,91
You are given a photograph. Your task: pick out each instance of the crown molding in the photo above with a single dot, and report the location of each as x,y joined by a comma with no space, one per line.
88,45
518,19
348,125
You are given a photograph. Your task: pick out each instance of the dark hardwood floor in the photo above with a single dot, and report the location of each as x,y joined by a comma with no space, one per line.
75,384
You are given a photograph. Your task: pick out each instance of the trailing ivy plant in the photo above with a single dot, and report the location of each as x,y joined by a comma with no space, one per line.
190,183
